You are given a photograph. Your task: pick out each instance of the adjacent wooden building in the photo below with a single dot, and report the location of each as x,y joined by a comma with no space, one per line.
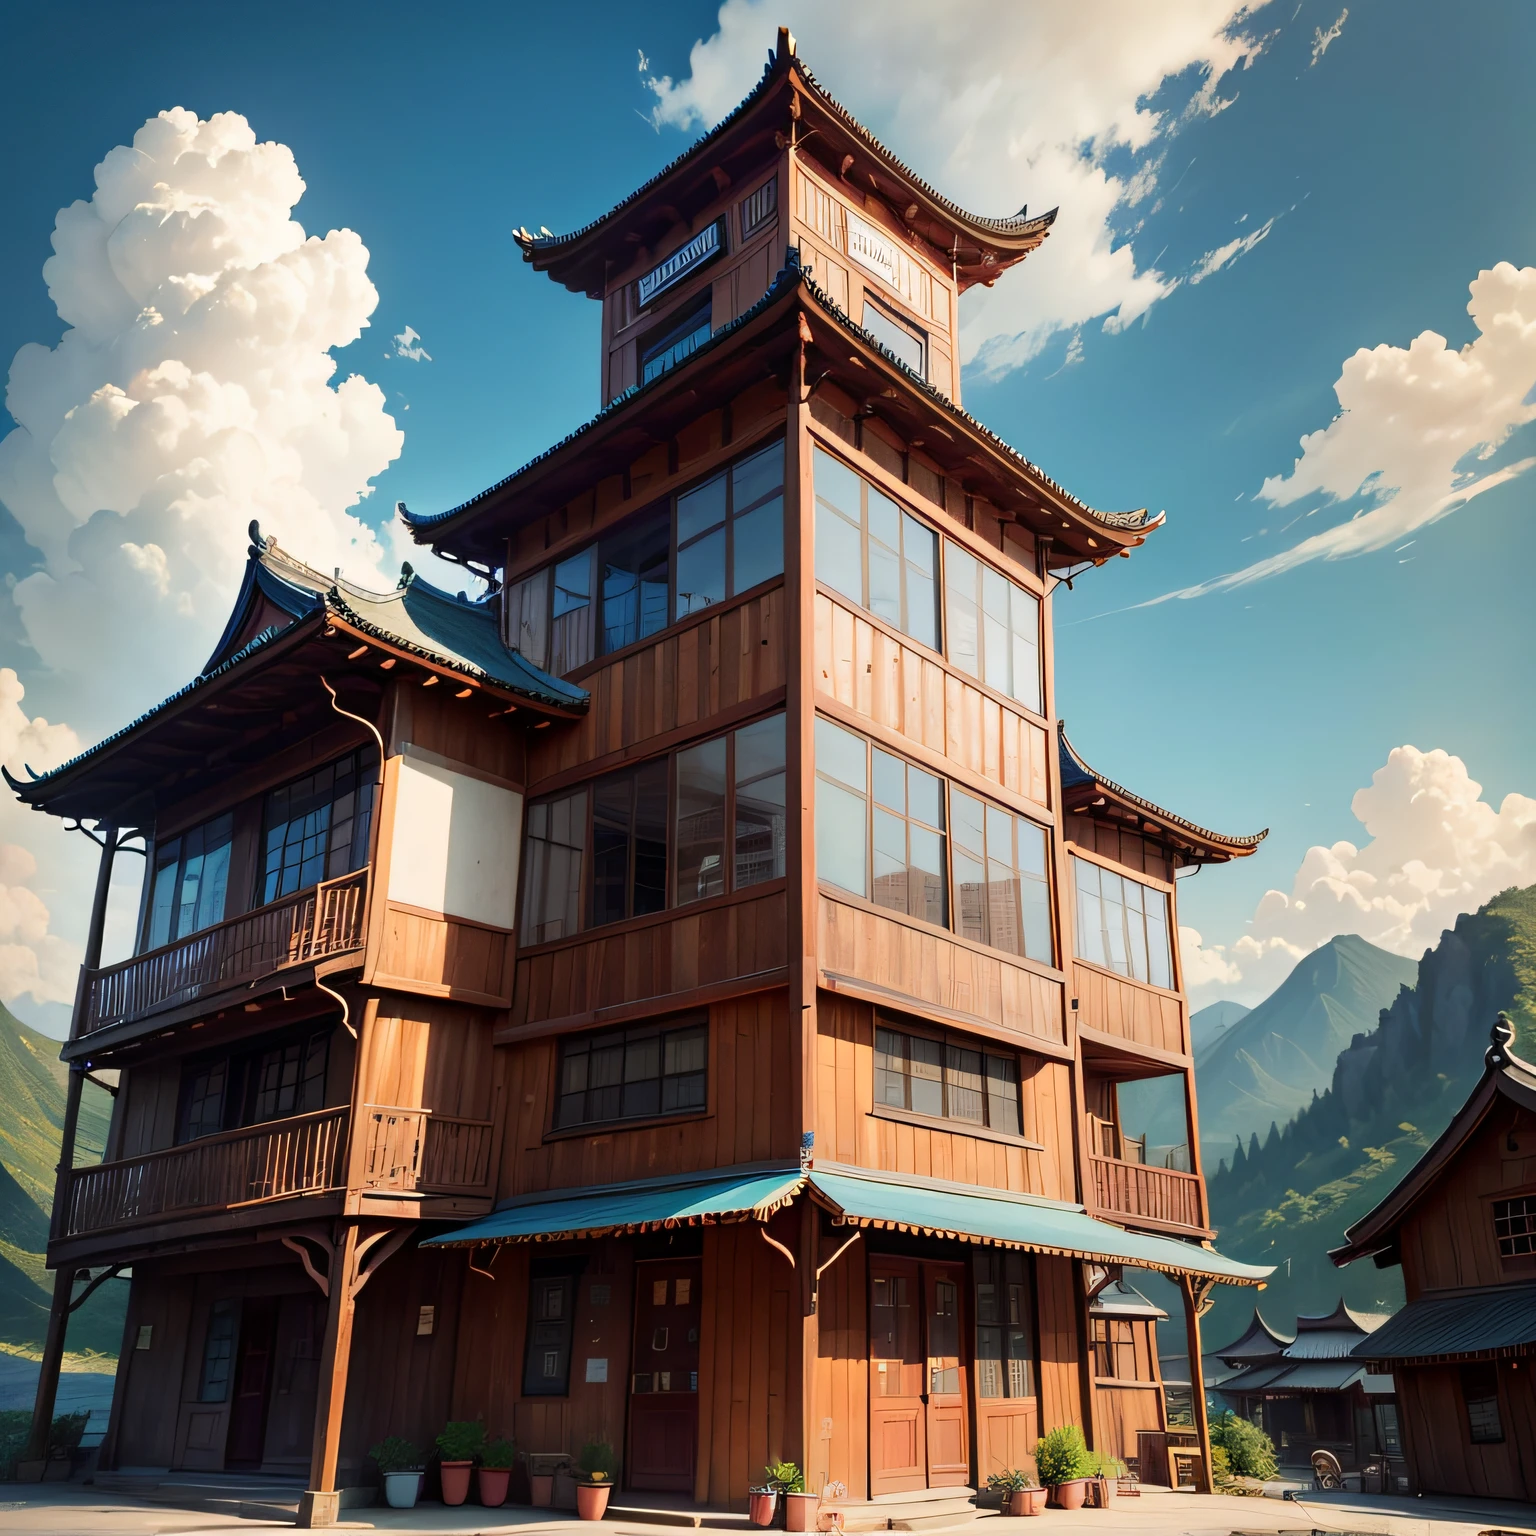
1462,1224
681,998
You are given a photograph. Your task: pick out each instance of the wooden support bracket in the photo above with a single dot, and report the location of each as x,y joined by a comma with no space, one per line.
773,1242
379,1247
821,1269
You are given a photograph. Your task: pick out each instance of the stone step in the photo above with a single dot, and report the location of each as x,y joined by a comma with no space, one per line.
923,1509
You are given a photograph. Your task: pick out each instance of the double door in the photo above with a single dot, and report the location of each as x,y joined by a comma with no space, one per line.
919,1409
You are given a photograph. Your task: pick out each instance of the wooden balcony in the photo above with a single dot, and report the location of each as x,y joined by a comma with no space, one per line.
313,924
1165,1197
303,1155
414,1149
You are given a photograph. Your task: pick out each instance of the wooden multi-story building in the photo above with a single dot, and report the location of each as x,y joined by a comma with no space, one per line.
681,998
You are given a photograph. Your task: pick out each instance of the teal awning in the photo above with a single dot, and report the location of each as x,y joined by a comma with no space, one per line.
1041,1226
642,1207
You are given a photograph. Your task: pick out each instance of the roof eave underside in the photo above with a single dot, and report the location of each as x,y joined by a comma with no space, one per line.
579,260
652,412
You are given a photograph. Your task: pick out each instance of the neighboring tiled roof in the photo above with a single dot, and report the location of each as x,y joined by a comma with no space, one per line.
1486,1322
1331,1335
790,277
1259,1342
1076,774
1318,1376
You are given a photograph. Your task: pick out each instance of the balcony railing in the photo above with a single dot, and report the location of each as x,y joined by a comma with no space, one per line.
414,1149
1153,1194
326,919
298,1156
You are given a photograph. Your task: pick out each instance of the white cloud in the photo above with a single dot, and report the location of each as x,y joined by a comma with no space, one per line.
1414,424
1322,41
191,393
1435,848
1036,113
1224,255
408,344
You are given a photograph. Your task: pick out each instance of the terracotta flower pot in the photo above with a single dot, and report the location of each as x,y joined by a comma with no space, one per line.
800,1511
764,1506
401,1489
541,1488
1071,1495
493,1485
455,1475
1026,1501
592,1500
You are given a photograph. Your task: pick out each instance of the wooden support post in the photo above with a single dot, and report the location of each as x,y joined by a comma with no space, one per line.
64,1279
1196,1291
321,1501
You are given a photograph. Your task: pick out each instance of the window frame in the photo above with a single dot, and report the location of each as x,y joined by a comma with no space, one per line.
1106,1347
1033,705
1003,1270
152,879
635,1032
1515,1228
1075,851
946,1040
365,794
564,1274
241,1090
1484,1432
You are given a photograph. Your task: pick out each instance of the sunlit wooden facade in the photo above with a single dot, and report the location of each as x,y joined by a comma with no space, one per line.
733,838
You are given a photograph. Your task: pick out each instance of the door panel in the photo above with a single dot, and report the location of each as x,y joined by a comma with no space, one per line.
898,1445
1007,1407
253,1382
947,1415
295,1381
664,1386
204,1414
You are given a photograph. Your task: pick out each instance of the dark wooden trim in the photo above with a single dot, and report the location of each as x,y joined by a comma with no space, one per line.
1149,1223
639,1123
1093,856
646,1007
952,1127
454,765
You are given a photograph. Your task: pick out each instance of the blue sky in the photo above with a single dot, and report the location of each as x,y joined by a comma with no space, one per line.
1395,168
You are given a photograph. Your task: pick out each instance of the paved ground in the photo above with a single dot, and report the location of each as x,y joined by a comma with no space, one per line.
63,1509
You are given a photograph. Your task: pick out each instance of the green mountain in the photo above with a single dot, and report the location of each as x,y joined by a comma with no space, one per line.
1394,1088
1268,1066
32,1084
1207,1025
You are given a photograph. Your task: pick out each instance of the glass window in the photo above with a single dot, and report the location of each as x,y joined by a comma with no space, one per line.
191,882
629,843
910,872
551,1318
905,344
667,347
218,1352
993,627
636,565
556,855
842,808
1114,1348
1514,1225
1121,924
316,828
527,610
948,1080
760,802
1480,1394
254,1085
875,552
202,1109
1002,889
701,787
632,1074
571,613
730,531
1005,1324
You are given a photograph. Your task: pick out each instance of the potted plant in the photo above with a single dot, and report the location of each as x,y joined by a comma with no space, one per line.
399,1464
1019,1492
597,1466
1062,1460
495,1472
785,1478
461,1441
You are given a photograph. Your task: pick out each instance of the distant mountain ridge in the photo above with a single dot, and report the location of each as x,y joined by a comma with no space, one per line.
1207,1025
1286,1199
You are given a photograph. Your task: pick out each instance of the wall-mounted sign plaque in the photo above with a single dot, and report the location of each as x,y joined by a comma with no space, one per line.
871,249
702,249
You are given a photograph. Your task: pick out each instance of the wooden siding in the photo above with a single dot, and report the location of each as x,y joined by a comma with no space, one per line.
846,1131
458,730
422,1054
1136,1013
839,1438
752,1111
927,966
685,679
1442,1458
910,691
1128,849
1059,1309
441,956
690,947
1120,1411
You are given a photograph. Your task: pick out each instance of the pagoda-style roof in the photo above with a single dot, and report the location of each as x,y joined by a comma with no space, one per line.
792,311
291,626
786,105
1260,1342
1086,792
1331,1335
1505,1076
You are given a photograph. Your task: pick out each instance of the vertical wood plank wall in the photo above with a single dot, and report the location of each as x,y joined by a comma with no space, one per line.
1059,1310
840,1450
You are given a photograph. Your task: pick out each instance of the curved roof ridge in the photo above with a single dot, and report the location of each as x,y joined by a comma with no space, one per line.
1072,759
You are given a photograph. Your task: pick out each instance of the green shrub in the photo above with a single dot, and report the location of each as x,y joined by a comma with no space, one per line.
15,1427
1221,1468
1015,1481
68,1430
784,1477
396,1455
1061,1456
461,1440
499,1456
1102,1464
1250,1452
597,1461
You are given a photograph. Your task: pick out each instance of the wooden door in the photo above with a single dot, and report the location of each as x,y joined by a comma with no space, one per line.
203,1422
947,1412
898,1445
253,1383
664,1386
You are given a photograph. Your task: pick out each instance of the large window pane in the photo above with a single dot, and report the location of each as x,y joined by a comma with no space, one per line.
839,519
760,804
1122,924
316,828
191,882
901,343
993,627
571,609
757,517
632,1074
555,864
841,847
527,607
946,1079
700,842
636,574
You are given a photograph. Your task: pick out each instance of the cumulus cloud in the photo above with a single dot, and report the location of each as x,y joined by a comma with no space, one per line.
408,345
1224,255
1415,430
1322,41
1435,848
191,392
1057,95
